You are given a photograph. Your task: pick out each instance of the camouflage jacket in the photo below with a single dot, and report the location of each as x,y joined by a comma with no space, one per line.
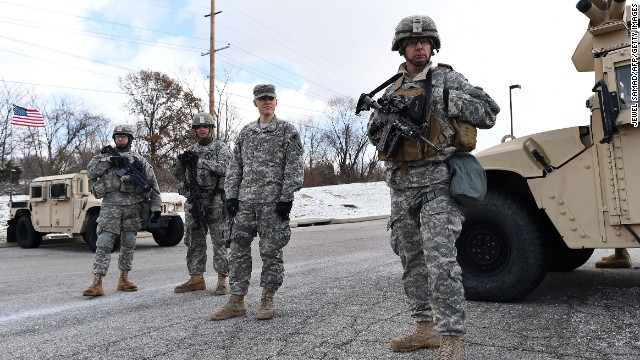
211,168
266,164
119,190
466,103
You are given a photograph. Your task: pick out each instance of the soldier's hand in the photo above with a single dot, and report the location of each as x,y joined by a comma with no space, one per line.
193,159
105,150
117,161
283,208
232,206
156,216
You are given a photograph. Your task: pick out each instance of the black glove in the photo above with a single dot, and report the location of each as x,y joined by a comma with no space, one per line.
105,150
156,216
117,161
283,208
189,157
232,206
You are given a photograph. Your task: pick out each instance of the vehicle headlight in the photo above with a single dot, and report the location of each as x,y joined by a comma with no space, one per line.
171,208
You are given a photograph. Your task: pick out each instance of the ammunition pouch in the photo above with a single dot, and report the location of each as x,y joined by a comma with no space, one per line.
97,188
466,135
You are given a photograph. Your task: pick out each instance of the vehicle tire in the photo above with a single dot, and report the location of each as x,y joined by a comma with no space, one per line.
171,235
90,235
500,250
26,235
11,231
561,258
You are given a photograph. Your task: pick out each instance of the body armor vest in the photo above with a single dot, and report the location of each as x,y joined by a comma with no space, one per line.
452,132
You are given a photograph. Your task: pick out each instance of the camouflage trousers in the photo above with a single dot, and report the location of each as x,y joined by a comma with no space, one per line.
423,234
257,219
121,221
217,225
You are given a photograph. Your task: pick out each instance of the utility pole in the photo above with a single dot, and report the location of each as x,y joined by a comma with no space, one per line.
212,59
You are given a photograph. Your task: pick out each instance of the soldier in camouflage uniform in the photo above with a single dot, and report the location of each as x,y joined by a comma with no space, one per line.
121,210
209,159
425,220
266,169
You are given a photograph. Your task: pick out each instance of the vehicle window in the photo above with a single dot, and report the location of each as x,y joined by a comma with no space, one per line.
623,74
58,190
36,192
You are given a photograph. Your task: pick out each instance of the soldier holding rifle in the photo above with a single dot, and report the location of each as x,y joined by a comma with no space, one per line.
201,171
124,180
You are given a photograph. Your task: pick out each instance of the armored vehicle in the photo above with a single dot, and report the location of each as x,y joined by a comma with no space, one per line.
63,204
555,196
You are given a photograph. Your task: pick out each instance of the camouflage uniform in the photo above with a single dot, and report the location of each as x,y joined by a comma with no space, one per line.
213,159
120,213
425,221
266,167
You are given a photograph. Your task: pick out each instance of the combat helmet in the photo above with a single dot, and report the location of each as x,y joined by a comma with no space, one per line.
123,130
203,118
415,26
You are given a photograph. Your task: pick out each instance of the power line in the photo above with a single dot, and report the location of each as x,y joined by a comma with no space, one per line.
57,63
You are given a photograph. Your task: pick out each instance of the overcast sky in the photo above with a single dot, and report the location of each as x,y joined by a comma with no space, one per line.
311,51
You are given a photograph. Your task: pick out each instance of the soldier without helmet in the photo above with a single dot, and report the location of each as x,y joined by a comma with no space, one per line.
200,171
266,169
425,220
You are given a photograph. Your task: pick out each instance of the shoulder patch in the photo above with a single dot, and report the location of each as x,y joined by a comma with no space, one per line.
445,66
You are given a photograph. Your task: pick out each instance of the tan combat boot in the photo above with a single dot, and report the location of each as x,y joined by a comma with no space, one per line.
124,284
421,337
619,260
196,282
450,348
223,285
96,287
234,307
267,310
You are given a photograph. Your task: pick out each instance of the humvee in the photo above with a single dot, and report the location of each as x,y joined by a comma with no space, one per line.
554,197
63,204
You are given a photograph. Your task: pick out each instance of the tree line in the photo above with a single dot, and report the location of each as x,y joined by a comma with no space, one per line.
336,146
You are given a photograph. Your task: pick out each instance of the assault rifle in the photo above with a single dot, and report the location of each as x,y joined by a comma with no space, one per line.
194,194
397,123
135,176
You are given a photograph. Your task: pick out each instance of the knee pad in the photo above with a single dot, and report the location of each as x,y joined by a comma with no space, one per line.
128,239
106,239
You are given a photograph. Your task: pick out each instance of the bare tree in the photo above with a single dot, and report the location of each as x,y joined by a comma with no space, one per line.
9,134
347,137
164,108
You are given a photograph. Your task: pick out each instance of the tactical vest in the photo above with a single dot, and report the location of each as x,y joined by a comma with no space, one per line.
463,135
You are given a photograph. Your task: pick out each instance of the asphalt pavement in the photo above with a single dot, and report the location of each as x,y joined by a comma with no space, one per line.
341,299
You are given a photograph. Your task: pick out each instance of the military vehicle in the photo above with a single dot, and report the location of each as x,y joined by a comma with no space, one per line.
63,204
555,196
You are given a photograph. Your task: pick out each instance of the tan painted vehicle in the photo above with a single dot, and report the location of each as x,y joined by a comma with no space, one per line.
555,196
63,204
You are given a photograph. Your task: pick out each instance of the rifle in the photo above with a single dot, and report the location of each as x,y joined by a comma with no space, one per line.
398,123
135,176
194,196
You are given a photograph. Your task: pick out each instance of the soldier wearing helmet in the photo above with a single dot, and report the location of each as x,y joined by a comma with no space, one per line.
425,219
200,171
121,213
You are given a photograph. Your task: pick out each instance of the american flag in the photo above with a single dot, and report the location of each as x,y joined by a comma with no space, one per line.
26,117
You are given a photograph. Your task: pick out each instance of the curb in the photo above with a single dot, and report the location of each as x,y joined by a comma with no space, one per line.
324,221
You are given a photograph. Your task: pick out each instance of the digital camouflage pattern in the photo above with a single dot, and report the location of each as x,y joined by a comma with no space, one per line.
266,167
267,164
258,219
120,213
423,233
213,159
